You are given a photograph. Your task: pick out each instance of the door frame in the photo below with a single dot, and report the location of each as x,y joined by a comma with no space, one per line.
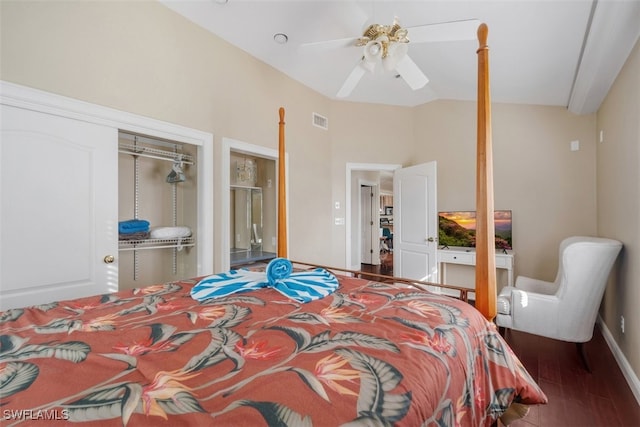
375,189
359,167
33,99
229,145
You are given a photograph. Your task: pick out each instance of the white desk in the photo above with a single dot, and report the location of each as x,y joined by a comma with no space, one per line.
467,256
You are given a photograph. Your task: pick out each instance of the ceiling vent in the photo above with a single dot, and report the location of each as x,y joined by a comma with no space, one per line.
320,121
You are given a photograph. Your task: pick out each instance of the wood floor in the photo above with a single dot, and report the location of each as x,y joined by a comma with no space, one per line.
576,397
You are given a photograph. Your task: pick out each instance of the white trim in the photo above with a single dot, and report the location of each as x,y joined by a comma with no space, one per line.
623,363
379,167
229,145
45,102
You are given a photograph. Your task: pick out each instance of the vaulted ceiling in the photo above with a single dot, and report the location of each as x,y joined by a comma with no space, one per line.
561,53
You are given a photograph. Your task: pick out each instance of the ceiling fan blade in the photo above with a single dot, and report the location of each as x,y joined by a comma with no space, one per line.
411,73
350,16
352,81
325,45
444,31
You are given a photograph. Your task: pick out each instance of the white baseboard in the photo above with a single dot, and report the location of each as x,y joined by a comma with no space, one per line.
625,367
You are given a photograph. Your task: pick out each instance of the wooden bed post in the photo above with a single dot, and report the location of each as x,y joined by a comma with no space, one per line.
282,204
485,228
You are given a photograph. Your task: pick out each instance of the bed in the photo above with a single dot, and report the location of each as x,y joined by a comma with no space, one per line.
373,351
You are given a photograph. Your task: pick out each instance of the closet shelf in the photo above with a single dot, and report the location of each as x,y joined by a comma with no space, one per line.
154,153
132,245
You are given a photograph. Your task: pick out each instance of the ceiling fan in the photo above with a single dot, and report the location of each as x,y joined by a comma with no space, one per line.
386,47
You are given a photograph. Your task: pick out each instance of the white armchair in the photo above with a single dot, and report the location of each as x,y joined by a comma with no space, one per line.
565,309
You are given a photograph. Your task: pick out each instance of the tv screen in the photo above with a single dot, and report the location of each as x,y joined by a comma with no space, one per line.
459,229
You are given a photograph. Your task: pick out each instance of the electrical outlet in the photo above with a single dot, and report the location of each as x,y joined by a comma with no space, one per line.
622,324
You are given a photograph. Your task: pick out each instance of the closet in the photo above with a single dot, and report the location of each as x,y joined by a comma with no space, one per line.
67,179
157,183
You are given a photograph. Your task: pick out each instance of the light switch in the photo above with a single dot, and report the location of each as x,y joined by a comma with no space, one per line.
337,205
575,145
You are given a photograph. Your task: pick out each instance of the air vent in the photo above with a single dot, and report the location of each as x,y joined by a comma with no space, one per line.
320,121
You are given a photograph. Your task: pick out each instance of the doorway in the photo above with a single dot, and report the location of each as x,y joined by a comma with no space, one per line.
249,211
415,218
252,209
357,174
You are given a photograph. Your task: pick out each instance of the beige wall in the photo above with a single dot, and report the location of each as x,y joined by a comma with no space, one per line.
363,134
549,188
618,186
143,58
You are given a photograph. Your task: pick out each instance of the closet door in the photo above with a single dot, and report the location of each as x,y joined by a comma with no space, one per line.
59,213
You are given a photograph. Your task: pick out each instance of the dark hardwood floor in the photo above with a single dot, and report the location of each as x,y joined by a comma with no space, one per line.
601,397
576,397
385,267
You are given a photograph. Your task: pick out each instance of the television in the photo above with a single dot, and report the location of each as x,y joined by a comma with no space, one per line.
458,228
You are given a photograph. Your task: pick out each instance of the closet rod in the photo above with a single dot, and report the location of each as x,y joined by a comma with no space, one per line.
142,153
142,248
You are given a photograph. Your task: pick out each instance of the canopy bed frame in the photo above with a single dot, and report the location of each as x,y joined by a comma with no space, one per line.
485,283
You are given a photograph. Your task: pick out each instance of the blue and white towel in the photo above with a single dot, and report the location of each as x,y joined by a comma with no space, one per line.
303,286
133,226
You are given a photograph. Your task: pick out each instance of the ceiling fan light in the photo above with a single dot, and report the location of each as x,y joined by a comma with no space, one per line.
395,52
373,51
389,63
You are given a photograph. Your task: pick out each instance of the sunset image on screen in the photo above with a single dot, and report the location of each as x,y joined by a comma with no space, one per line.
458,228
466,219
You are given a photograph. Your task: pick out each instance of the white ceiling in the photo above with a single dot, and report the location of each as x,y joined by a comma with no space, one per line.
546,52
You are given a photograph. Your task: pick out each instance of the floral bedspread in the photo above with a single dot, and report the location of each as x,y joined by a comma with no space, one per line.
369,354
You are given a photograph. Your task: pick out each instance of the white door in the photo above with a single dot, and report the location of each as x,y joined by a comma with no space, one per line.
415,235
59,208
369,253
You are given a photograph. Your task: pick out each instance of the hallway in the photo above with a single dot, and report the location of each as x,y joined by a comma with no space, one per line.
385,267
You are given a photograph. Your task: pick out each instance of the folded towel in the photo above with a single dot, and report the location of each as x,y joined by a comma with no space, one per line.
133,226
278,269
170,232
304,286
139,235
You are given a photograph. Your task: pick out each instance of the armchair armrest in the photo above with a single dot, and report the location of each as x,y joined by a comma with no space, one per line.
534,285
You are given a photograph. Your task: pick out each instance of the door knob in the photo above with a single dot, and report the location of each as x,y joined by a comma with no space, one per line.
430,239
109,259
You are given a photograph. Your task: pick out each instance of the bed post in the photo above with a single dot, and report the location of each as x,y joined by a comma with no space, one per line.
485,230
282,195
